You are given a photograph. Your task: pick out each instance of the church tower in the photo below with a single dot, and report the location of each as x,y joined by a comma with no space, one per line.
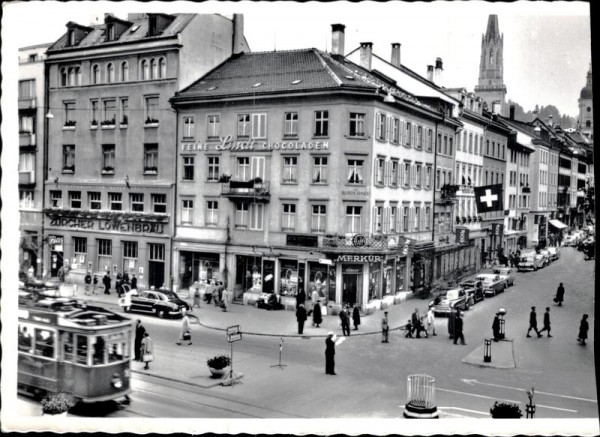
491,86
586,108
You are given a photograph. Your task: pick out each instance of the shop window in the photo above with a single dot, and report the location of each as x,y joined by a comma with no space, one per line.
137,202
188,168
290,124
289,277
288,217
319,174
159,203
321,124
318,218
213,168
212,212
95,200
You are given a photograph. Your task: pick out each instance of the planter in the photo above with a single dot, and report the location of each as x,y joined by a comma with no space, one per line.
218,373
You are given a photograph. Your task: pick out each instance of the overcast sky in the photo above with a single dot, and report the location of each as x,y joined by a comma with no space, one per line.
547,48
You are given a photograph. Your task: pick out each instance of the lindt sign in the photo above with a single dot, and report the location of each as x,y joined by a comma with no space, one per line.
227,143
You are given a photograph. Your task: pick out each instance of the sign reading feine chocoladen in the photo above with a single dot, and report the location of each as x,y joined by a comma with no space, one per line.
227,143
107,225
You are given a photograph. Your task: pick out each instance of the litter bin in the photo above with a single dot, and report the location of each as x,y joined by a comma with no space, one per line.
420,397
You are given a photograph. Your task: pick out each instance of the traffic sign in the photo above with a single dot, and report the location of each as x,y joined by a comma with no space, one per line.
234,329
234,337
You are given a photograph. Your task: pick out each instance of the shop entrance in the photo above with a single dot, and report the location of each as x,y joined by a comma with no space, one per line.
156,274
56,262
352,284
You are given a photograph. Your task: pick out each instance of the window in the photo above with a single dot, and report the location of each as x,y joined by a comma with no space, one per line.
380,171
69,113
157,252
145,69
243,168
151,109
159,203
95,200
427,218
418,175
475,145
63,77
428,171
243,126
355,171
75,199
394,175
95,74
115,201
130,249
124,71
450,146
26,199
68,158
437,178
27,89
153,69
357,124
290,169
188,168
80,245
319,174
321,123
381,125
187,211
213,169
56,199
241,215
150,158
405,209
256,216
212,212
291,124
104,247
429,140
214,126
417,219
470,143
108,158
124,106
408,134
288,217
318,218
438,147
110,73
109,111
396,130
445,145
188,127
137,202
406,174
26,125
27,163
162,68
458,142
419,144
393,218
378,220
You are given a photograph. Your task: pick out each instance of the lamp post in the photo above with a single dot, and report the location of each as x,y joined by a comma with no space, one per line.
502,333
487,350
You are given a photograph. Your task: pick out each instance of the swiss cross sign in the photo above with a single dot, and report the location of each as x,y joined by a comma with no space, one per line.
488,198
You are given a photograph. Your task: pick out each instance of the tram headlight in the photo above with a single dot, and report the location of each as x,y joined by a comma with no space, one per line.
116,382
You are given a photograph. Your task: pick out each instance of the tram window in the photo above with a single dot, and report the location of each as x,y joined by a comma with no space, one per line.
44,343
24,339
68,340
115,351
99,351
82,349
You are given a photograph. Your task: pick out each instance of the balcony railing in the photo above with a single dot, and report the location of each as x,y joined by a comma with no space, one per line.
361,241
246,190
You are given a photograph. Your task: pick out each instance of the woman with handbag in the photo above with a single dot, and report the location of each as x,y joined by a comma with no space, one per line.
147,350
186,333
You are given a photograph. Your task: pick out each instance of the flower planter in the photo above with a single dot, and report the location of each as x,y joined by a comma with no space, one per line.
218,373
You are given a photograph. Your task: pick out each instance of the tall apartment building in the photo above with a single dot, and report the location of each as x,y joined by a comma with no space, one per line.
110,189
31,157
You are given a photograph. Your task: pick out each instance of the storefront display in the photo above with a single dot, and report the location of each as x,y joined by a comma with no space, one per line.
318,279
374,280
197,267
289,277
401,275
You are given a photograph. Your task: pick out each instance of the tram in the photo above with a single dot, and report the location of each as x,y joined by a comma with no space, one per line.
75,348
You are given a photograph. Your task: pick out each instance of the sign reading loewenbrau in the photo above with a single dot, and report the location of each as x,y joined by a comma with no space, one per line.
227,143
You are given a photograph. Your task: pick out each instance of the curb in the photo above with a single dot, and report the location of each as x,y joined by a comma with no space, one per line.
167,378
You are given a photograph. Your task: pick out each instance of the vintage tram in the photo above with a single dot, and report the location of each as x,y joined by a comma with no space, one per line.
71,347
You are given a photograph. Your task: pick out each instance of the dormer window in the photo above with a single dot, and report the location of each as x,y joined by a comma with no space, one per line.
157,23
110,32
72,41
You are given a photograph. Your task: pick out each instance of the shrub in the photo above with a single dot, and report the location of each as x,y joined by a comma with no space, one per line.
502,410
219,362
57,403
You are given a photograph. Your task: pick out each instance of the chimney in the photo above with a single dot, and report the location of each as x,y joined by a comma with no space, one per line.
366,50
238,34
437,76
538,131
396,54
337,39
430,73
512,112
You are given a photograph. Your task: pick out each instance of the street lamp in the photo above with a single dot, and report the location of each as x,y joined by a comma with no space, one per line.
487,350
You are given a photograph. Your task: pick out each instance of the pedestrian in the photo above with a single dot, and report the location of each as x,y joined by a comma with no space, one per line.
118,284
95,284
416,323
431,319
314,296
356,317
300,298
106,282
186,333
385,328
61,275
560,295
126,278
133,282
301,317
224,300
408,329
330,353
583,330
147,350
546,322
423,324
196,297
533,323
317,314
345,319
139,336
451,320
458,329
496,327
88,282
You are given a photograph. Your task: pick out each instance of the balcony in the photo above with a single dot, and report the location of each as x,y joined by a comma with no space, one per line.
253,189
448,193
26,139
30,103
26,177
362,242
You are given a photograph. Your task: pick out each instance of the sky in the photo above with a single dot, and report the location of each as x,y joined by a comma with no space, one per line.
547,45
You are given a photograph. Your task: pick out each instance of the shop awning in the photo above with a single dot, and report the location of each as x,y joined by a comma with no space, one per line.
557,224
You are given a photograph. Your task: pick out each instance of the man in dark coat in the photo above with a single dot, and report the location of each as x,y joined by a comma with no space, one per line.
301,317
300,298
133,282
118,284
583,330
560,295
546,322
88,282
385,328
458,329
356,317
345,319
496,327
533,323
106,282
139,335
317,316
416,322
330,354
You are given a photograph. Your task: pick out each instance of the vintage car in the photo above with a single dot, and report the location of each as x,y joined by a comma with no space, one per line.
570,240
543,260
474,289
455,298
546,254
554,253
161,303
528,261
492,284
507,274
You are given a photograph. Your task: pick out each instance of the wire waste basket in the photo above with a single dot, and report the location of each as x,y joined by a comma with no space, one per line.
420,397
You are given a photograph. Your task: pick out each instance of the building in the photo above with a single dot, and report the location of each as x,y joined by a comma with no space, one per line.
110,189
302,170
490,86
585,121
31,158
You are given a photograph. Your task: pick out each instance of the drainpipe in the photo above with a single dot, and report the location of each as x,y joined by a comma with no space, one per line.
45,165
433,173
174,218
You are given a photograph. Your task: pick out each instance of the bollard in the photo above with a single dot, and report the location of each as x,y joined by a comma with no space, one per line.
501,335
487,350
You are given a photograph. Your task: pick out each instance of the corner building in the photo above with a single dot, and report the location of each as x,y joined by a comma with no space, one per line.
111,160
300,170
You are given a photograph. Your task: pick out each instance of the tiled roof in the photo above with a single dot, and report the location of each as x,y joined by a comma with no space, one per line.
97,36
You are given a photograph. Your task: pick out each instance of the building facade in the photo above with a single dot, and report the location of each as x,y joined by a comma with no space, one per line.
110,189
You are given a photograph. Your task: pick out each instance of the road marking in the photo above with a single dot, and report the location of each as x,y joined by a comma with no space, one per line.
474,381
484,413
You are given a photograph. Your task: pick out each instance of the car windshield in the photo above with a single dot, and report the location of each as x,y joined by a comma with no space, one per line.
170,295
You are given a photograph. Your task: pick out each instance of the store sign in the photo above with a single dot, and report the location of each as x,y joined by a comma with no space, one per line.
108,225
55,239
227,143
359,258
462,236
302,240
498,229
359,240
355,193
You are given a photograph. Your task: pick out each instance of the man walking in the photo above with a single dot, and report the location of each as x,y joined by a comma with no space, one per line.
88,283
301,318
560,294
533,323
330,353
345,319
139,336
496,327
431,319
458,329
416,323
106,282
186,333
546,322
385,328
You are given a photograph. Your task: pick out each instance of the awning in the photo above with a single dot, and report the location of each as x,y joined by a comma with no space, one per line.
557,224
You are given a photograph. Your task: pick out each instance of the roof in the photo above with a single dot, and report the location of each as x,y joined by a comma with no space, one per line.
586,92
96,36
492,28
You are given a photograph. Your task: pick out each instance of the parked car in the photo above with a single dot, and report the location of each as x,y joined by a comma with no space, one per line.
546,255
507,274
453,298
569,240
492,284
474,289
543,261
554,253
529,261
161,302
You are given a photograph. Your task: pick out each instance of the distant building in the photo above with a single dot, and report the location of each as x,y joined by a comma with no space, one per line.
585,120
490,86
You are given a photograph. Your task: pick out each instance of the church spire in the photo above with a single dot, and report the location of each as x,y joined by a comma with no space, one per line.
490,86
492,32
